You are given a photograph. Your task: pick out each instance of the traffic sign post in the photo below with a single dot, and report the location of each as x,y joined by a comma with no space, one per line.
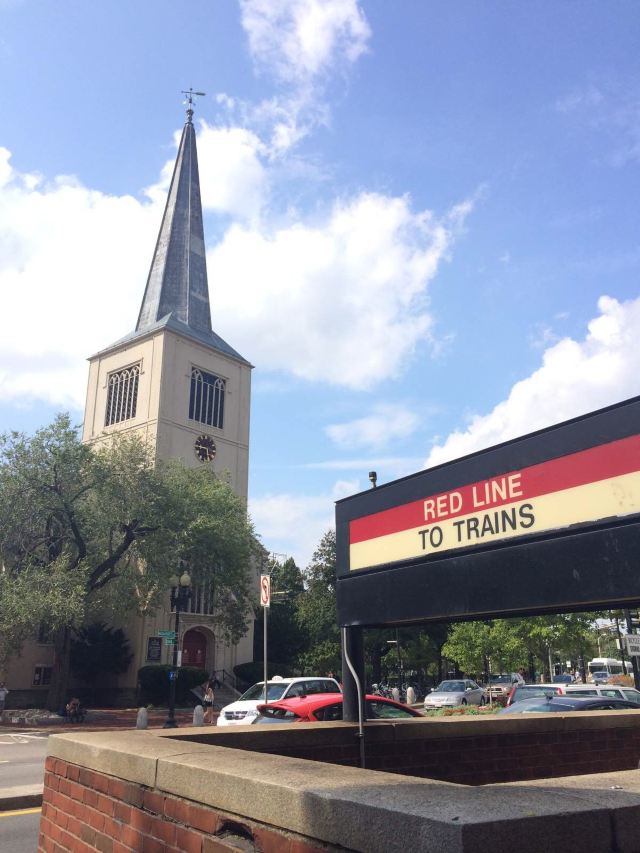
633,648
265,601
632,643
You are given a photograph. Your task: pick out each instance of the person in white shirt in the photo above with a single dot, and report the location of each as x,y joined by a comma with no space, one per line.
3,695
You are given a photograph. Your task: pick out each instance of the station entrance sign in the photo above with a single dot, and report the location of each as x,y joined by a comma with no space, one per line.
546,523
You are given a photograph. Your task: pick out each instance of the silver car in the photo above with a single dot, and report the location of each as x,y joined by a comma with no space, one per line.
458,691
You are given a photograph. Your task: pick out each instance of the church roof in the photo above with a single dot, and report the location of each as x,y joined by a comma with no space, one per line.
172,324
177,293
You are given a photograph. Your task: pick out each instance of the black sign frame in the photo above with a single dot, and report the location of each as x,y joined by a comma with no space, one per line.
586,567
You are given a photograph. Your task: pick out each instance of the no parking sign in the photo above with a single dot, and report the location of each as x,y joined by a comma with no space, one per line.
265,590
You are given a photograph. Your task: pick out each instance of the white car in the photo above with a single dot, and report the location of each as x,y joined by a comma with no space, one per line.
243,712
611,691
457,691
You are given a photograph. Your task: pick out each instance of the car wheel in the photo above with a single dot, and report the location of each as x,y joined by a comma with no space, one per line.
464,702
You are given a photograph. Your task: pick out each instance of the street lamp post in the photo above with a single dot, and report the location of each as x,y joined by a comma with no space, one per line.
180,595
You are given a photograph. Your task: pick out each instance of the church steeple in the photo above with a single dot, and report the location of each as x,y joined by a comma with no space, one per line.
177,287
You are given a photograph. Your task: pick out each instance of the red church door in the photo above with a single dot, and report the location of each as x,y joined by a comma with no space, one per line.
194,649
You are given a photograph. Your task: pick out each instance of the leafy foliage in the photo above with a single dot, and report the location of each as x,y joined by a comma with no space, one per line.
98,650
316,610
287,638
89,531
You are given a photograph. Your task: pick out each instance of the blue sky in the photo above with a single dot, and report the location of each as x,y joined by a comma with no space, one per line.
422,218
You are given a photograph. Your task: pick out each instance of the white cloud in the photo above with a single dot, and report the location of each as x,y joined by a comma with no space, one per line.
346,295
294,524
233,179
300,40
575,377
611,108
342,301
385,424
57,253
301,44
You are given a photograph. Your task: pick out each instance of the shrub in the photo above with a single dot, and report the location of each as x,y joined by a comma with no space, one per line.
154,683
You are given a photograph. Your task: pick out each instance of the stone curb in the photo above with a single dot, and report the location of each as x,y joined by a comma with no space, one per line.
20,797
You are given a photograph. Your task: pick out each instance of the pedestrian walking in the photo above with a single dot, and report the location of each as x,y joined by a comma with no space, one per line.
207,703
3,695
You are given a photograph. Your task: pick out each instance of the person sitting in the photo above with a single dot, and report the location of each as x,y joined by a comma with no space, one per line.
75,712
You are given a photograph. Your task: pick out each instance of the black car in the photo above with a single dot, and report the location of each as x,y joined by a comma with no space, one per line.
566,704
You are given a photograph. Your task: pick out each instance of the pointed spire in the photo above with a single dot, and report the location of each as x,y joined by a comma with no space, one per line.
177,285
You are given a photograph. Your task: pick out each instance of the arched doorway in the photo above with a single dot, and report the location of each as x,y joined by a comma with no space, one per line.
194,649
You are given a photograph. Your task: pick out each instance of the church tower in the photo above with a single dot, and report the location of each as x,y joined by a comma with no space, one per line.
173,378
178,383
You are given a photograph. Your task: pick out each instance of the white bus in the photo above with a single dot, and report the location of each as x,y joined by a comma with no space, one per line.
609,665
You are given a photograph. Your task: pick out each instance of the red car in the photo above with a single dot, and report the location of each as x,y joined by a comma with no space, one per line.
327,707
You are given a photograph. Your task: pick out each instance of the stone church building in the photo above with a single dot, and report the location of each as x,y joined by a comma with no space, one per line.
177,382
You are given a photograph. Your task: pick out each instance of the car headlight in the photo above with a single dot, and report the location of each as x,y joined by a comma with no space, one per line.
251,714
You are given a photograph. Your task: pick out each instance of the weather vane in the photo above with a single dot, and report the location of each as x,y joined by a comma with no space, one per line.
189,100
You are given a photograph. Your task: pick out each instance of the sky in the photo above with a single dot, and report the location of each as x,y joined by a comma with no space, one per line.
421,218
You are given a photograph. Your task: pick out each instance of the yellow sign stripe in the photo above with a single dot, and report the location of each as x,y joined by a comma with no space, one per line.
613,498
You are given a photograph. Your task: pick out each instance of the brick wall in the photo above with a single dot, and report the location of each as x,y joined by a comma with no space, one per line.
474,752
85,811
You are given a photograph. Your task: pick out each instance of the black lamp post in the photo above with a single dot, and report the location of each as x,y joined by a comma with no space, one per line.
180,595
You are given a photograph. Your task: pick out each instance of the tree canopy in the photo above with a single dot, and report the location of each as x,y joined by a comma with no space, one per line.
89,530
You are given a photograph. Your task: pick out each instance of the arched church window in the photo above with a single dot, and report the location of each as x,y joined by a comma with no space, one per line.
122,396
206,401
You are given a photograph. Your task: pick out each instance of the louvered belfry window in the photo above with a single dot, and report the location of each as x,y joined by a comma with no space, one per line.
122,398
206,401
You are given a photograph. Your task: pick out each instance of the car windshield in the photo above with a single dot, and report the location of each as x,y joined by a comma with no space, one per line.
450,687
275,689
530,691
632,695
500,679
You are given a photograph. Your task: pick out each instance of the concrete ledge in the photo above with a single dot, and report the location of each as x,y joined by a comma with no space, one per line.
20,797
132,756
372,811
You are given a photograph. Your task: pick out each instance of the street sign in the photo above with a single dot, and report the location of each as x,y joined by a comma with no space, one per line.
632,642
173,674
265,590
170,641
167,634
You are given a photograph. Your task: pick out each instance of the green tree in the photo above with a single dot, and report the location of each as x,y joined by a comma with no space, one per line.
286,639
98,650
316,610
87,531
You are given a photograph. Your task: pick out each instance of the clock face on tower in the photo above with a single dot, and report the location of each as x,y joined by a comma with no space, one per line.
205,448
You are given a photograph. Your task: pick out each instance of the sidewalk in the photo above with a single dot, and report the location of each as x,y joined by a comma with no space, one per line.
98,719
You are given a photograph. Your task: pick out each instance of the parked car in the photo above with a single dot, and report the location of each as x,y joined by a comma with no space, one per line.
600,677
565,704
563,678
244,710
328,708
519,692
612,691
458,691
499,687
